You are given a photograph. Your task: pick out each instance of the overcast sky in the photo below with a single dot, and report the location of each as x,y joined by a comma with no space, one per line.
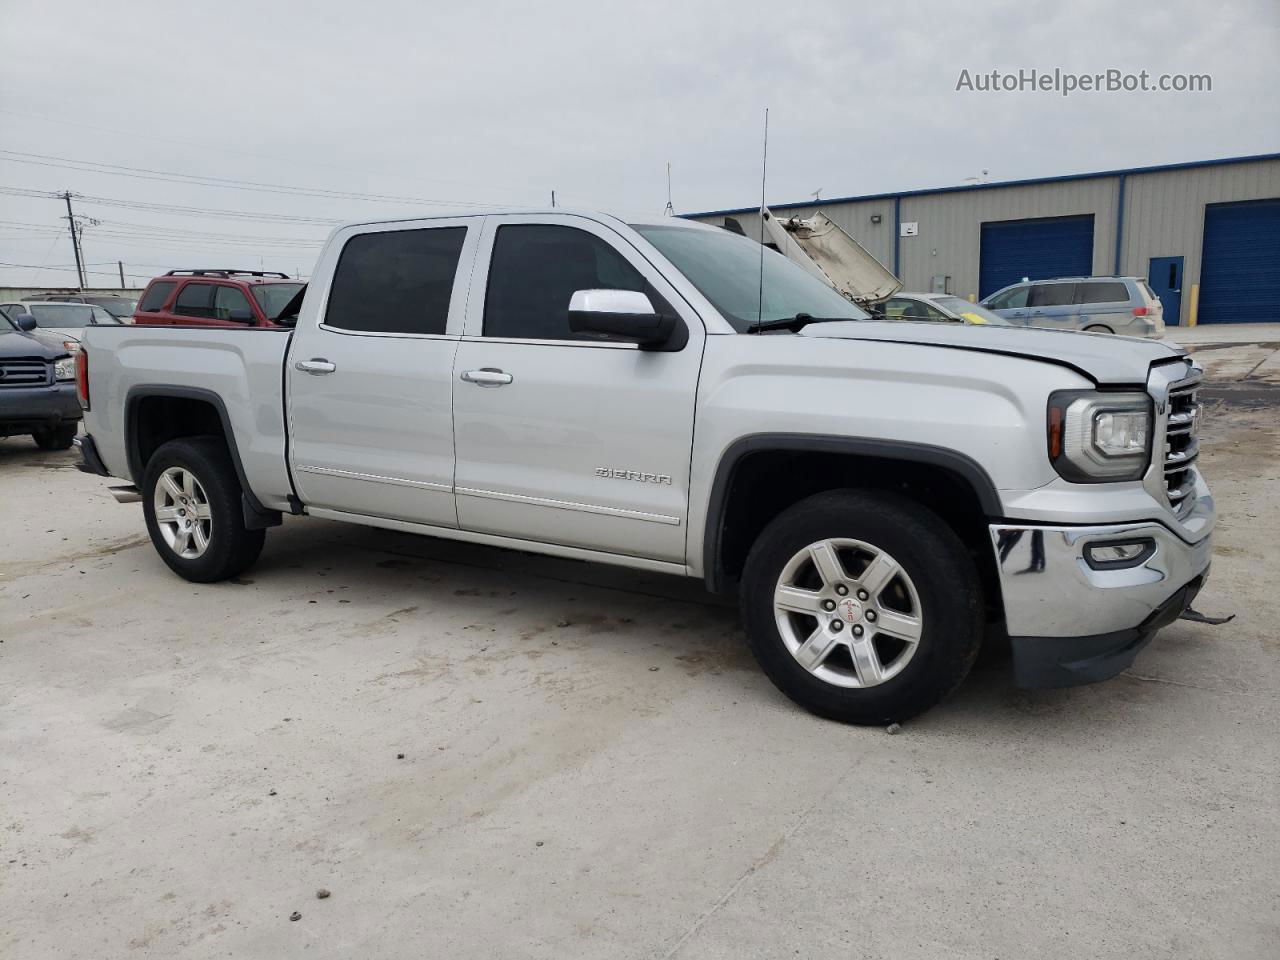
503,102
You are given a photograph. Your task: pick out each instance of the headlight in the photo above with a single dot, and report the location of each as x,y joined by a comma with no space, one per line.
1099,437
64,369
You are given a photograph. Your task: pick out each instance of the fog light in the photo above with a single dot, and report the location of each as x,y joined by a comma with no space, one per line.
1118,554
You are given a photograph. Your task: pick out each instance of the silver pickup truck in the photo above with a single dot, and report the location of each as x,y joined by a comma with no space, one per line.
671,397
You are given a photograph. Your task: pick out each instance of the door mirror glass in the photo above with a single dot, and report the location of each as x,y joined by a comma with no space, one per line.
240,315
623,316
25,321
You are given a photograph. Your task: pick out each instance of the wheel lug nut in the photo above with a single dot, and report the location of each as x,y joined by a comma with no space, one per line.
863,595
836,626
841,589
871,616
857,631
828,604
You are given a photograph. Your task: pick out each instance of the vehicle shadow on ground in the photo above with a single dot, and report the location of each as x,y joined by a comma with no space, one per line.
527,598
18,452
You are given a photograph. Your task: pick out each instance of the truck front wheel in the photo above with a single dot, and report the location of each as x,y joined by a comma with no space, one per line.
191,498
862,607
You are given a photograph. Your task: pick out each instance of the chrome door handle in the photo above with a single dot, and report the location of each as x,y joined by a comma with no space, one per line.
487,377
315,366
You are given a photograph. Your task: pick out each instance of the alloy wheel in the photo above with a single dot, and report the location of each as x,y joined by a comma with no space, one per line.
848,612
183,513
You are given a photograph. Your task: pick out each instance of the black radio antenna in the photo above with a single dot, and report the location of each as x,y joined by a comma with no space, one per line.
764,170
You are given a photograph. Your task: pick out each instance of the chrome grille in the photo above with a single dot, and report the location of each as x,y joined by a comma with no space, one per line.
1181,443
24,373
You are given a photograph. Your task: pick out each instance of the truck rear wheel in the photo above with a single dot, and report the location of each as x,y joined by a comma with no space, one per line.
192,500
862,607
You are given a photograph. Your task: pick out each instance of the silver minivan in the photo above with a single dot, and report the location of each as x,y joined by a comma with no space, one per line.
1124,305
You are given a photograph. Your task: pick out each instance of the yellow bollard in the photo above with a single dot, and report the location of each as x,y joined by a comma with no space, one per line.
1194,309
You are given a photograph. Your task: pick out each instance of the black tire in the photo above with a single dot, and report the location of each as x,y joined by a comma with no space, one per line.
56,438
927,550
231,547
1098,328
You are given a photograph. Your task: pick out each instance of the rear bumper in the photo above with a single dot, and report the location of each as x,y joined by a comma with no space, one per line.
1070,623
90,461
23,409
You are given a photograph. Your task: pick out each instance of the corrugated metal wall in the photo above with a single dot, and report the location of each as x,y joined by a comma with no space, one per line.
1164,213
1164,216
949,242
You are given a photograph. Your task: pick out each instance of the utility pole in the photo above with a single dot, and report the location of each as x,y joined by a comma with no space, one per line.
120,264
75,239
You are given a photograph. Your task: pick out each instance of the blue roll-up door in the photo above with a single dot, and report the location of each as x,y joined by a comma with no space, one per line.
1240,267
1036,249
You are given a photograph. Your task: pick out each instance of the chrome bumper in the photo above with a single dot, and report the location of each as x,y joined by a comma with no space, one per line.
1050,590
1069,623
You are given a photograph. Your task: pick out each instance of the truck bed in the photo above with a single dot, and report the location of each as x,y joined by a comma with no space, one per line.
239,370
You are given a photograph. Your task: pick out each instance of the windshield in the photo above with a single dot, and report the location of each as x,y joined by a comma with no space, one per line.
726,270
117,307
61,314
971,312
274,297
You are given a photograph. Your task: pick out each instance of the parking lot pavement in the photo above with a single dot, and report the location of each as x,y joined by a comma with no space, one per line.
1240,353
592,764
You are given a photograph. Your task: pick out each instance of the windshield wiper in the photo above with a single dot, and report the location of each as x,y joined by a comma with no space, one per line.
794,324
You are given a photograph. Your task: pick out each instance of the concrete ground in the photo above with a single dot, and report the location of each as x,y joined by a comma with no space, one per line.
487,754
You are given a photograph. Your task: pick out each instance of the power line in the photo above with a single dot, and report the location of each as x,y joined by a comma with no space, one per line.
205,145
119,228
71,266
169,176
172,208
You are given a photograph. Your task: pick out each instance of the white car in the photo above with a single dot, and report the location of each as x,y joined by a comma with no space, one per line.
938,307
65,321
669,397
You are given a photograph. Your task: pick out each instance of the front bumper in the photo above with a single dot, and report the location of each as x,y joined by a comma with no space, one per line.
1069,623
23,409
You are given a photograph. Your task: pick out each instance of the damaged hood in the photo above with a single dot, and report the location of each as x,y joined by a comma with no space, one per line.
822,248
1104,358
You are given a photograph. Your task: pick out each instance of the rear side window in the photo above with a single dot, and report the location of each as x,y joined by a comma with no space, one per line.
535,270
397,281
195,300
157,295
1052,294
230,304
1102,291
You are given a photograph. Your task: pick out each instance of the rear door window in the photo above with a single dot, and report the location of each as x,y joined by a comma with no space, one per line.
396,281
157,296
1052,294
195,300
1102,291
230,304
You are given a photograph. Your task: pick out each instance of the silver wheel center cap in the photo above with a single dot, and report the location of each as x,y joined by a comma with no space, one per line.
849,609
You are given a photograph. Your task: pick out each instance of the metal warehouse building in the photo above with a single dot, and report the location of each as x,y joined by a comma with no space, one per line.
1205,234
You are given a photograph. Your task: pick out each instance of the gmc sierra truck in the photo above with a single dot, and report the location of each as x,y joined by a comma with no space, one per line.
672,397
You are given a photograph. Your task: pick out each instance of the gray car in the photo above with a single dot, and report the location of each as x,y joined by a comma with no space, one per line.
1124,305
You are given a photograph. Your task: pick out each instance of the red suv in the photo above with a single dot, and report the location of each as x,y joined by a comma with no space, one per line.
216,298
